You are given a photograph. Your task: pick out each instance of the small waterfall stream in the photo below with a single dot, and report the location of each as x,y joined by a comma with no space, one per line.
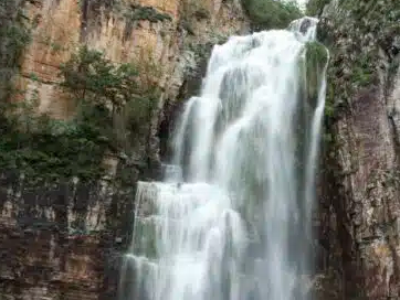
232,220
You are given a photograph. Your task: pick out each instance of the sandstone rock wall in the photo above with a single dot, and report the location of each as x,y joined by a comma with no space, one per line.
61,26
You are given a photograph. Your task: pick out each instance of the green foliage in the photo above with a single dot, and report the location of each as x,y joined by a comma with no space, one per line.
315,7
97,84
145,13
54,46
330,101
316,60
55,150
269,14
15,35
362,72
110,113
93,78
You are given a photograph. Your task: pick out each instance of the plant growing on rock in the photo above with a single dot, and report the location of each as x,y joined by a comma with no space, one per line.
116,90
15,35
108,99
194,9
89,76
269,14
316,60
315,7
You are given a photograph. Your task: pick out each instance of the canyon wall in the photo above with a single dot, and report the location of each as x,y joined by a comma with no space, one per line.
62,238
359,203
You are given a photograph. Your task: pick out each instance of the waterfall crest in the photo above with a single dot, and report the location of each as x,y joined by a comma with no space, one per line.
232,221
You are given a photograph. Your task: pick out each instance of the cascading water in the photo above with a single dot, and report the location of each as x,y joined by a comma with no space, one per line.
239,225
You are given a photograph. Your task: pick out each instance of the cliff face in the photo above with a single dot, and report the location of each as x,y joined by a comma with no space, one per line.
62,239
162,38
360,206
127,31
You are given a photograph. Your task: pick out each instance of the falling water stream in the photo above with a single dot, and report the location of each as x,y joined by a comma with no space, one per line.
232,220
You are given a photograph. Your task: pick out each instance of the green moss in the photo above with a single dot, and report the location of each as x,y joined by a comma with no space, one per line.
33,77
315,7
330,101
316,60
268,14
15,35
145,13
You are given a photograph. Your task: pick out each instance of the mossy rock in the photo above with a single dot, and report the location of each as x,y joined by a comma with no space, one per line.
316,59
146,13
269,14
315,7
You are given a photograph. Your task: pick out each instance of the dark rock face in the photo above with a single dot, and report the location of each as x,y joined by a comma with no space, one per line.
304,26
63,242
359,202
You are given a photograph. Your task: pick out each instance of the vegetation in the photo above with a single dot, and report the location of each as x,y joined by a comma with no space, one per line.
110,115
137,12
268,14
363,72
194,10
53,152
355,35
41,158
315,7
14,36
190,11
114,107
316,59
134,13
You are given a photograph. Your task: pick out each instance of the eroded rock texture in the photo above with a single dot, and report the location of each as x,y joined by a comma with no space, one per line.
61,242
360,206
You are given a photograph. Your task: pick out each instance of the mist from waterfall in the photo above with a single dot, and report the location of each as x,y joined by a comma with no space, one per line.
232,220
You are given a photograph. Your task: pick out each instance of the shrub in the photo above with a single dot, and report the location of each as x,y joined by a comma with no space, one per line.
98,84
269,14
315,7
91,77
137,12
47,150
15,35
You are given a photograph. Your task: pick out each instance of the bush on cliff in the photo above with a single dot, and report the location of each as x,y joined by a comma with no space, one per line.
315,7
112,116
14,36
96,83
269,14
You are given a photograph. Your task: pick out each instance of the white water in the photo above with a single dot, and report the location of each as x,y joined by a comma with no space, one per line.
239,227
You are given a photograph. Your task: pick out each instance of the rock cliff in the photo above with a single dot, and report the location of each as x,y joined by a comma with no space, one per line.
61,239
61,233
359,206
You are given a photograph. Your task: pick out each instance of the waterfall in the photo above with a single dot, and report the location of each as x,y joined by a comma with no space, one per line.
232,219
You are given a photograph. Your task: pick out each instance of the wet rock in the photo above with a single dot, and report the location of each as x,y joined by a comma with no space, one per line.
363,186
